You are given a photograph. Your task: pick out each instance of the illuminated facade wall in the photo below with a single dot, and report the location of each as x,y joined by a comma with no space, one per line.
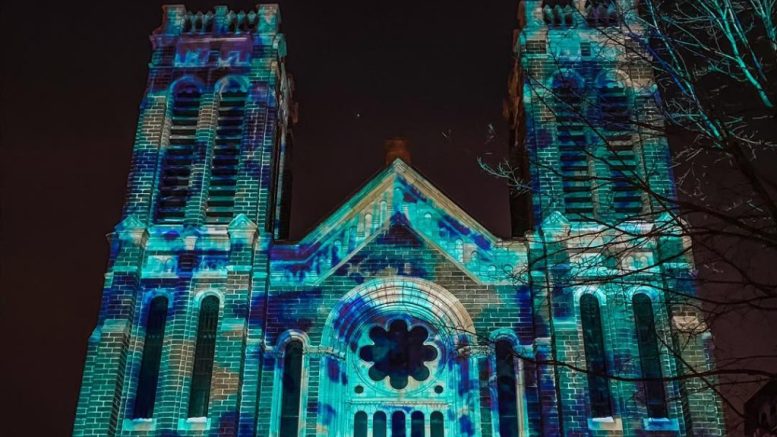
399,315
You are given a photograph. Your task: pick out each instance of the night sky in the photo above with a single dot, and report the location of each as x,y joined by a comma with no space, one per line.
432,71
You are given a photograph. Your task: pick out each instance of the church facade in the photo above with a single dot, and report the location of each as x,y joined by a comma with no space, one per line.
398,315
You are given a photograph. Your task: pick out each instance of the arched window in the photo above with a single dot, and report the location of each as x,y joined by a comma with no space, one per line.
417,426
179,155
575,168
649,356
152,354
595,357
506,389
220,206
616,131
291,389
203,357
379,424
437,424
360,424
398,427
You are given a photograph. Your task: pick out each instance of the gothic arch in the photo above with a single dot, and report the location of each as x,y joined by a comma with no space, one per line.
652,293
149,295
613,77
288,336
578,293
232,79
187,80
566,75
196,302
284,340
413,296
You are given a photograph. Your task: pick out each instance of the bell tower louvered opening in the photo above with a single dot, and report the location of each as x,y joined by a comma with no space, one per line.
175,176
574,165
222,187
618,133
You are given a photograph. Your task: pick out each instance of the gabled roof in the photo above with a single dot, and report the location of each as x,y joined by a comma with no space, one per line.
397,194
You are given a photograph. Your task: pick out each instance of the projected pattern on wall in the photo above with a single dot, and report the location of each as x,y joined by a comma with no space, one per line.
398,314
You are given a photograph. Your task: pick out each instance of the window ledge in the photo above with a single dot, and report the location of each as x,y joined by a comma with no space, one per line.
139,424
660,424
194,424
608,423
210,273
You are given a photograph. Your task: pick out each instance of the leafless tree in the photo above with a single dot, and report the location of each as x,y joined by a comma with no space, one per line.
715,65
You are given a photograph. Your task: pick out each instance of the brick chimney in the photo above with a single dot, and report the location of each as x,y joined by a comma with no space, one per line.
397,147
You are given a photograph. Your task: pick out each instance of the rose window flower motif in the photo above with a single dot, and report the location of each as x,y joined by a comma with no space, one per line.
398,353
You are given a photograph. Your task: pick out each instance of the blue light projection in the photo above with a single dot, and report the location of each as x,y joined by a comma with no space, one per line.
399,314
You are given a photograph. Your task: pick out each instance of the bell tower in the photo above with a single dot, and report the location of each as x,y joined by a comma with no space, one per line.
208,191
580,97
588,143
214,137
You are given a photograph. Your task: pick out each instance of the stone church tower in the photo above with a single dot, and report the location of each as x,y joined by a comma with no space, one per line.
399,315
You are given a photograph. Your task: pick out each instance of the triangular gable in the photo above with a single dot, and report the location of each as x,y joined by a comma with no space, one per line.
398,191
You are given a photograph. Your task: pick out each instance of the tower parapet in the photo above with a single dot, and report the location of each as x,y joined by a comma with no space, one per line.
219,21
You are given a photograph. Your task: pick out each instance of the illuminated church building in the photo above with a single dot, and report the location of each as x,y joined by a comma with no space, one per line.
398,315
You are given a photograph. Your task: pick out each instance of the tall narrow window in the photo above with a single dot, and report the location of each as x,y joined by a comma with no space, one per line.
437,424
595,358
575,170
280,184
179,154
291,386
226,154
152,354
616,131
360,424
649,356
203,357
417,425
398,427
506,389
379,424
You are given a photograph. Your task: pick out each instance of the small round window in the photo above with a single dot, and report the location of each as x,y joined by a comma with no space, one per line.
398,353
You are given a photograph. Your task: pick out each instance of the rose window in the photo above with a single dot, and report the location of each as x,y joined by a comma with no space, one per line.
398,353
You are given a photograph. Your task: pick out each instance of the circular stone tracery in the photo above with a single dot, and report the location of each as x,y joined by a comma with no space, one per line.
398,354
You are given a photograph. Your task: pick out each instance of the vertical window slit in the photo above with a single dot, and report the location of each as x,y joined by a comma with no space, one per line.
220,206
398,427
649,356
152,354
596,360
379,424
507,396
437,424
417,425
204,352
291,389
178,156
617,131
360,424
574,156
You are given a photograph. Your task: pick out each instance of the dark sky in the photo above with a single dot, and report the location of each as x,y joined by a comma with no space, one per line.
72,81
